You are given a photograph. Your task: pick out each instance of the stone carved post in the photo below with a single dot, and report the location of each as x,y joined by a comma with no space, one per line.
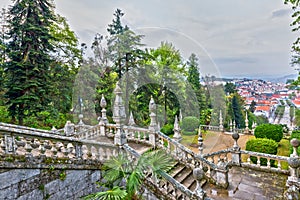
233,124
247,124
230,125
180,115
221,122
119,116
80,117
236,154
177,135
69,128
198,175
131,123
293,181
200,141
222,174
103,121
153,124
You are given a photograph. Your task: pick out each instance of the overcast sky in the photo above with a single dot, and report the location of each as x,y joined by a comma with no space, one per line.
231,37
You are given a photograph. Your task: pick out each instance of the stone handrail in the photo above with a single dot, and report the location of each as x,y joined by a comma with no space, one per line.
21,129
269,157
215,157
137,134
183,154
33,143
210,128
168,183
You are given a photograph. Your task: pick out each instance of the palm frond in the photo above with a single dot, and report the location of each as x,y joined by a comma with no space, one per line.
114,194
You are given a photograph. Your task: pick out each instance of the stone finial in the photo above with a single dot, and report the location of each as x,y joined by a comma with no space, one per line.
198,175
103,105
180,116
176,130
152,105
119,116
247,123
53,129
230,125
295,144
236,136
80,116
200,141
69,128
131,121
221,122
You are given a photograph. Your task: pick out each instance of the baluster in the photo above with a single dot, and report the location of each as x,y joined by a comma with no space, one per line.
258,161
71,148
111,132
169,146
249,160
268,163
279,164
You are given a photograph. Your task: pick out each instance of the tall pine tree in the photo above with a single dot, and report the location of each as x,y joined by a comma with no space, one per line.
29,48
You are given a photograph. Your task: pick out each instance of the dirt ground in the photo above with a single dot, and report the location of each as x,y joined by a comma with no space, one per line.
218,141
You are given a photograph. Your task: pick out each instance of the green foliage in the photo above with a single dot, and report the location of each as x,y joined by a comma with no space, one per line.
261,119
229,88
120,168
262,145
167,129
269,131
295,134
190,124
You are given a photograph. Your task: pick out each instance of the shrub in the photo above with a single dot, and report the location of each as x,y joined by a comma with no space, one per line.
295,134
167,129
269,131
190,124
262,145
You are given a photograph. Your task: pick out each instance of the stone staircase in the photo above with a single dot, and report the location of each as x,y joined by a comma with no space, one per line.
184,175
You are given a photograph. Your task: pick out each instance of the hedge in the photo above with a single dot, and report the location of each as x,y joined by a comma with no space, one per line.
269,131
190,124
262,145
167,129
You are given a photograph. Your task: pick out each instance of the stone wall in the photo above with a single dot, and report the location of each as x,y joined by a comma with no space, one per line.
49,183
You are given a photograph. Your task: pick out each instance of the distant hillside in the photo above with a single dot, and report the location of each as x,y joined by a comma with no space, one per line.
283,79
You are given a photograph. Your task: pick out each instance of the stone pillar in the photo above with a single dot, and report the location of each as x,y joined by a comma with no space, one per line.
80,123
180,115
236,154
198,175
103,120
119,116
230,126
233,124
153,124
200,141
247,124
177,135
293,181
222,174
221,122
69,128
131,121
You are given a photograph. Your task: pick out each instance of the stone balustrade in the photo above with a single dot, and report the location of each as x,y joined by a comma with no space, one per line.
210,128
89,133
137,134
273,168
30,143
167,184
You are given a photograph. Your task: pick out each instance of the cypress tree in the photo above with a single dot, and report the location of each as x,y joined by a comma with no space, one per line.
28,51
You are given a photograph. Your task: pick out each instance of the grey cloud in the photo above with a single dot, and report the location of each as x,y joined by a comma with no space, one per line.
280,13
239,59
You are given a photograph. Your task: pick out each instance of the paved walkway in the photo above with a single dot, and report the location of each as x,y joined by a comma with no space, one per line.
248,184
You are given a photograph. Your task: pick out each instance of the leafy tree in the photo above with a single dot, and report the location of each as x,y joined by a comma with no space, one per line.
120,168
193,78
237,110
229,88
252,106
296,26
27,67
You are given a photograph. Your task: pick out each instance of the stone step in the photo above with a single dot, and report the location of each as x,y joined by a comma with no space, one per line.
183,174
